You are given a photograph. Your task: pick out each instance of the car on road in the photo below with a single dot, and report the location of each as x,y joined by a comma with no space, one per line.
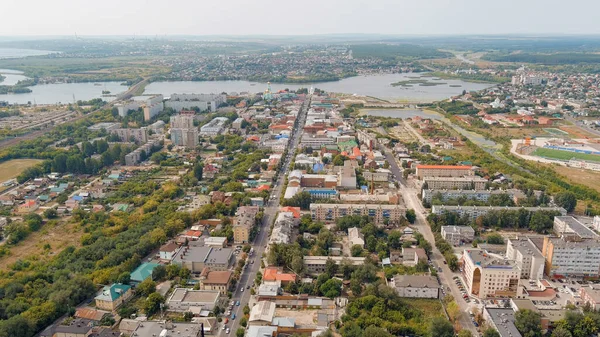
248,287
237,303
226,320
227,331
232,317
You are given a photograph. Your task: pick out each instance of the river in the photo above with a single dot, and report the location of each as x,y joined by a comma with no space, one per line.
11,77
64,93
370,85
13,53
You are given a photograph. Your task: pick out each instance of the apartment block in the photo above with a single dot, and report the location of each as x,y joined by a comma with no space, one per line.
475,211
127,135
443,171
571,257
185,137
479,195
379,213
489,275
569,226
204,102
214,127
245,219
454,183
316,264
415,286
527,257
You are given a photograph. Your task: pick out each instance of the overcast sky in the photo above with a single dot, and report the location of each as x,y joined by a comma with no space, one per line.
297,17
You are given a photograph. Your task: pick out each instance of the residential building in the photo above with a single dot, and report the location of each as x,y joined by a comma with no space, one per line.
111,297
183,300
204,102
413,256
489,275
452,183
245,219
185,120
269,288
261,331
78,327
153,106
415,286
590,295
355,237
124,108
185,137
379,175
237,124
316,264
168,250
214,127
569,226
28,206
276,274
379,213
282,229
475,211
346,177
139,135
571,257
196,257
457,235
443,171
215,241
218,280
502,320
527,257
479,195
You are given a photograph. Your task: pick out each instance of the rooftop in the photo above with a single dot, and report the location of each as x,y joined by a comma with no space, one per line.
417,281
113,292
143,271
504,321
486,260
525,247
194,296
262,311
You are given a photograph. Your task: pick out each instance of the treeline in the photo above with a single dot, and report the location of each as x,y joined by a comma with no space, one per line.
551,59
397,51
458,107
538,221
38,292
446,249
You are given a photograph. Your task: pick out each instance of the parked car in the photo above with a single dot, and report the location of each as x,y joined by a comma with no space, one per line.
232,317
227,331
237,303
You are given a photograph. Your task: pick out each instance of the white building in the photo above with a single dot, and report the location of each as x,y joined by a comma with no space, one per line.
479,195
454,183
214,127
489,275
569,226
184,299
570,256
456,235
355,237
205,102
124,108
475,211
527,257
416,286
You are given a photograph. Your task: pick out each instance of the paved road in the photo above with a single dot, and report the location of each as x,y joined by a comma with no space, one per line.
412,201
260,243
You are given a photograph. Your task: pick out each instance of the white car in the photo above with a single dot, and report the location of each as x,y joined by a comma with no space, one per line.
227,330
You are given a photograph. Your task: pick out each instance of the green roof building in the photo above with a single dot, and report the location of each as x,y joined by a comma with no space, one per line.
142,272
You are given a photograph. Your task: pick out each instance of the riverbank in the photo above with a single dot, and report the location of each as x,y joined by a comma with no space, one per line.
473,78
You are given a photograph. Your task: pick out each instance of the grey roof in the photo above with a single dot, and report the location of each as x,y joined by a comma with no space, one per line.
526,247
76,326
416,281
504,321
575,226
219,256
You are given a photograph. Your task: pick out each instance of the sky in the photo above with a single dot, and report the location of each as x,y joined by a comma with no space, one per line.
304,17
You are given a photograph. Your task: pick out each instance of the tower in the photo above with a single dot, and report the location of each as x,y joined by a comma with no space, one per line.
268,96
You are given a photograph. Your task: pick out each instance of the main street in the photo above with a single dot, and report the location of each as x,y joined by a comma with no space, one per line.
409,195
260,243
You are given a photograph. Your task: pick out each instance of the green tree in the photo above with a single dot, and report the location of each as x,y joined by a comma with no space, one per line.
566,200
411,215
495,239
50,213
356,250
585,328
239,332
331,288
529,323
159,273
561,331
146,287
441,327
465,333
152,303
491,332
375,331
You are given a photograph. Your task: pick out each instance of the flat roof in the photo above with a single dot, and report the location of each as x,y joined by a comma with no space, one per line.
486,260
504,321
575,226
444,167
194,296
416,281
525,247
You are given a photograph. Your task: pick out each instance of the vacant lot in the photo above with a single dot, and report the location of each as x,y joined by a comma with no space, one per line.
12,168
564,155
588,178
58,236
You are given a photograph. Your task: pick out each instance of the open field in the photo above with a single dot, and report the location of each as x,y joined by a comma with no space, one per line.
58,237
577,132
12,168
564,155
429,307
581,176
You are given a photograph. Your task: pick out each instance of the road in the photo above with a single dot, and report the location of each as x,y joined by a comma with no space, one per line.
35,134
260,242
411,200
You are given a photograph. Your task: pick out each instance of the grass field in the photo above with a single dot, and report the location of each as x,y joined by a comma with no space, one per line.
564,155
429,307
12,168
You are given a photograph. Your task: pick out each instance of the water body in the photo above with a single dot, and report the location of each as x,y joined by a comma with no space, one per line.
11,77
11,53
411,113
64,92
371,85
